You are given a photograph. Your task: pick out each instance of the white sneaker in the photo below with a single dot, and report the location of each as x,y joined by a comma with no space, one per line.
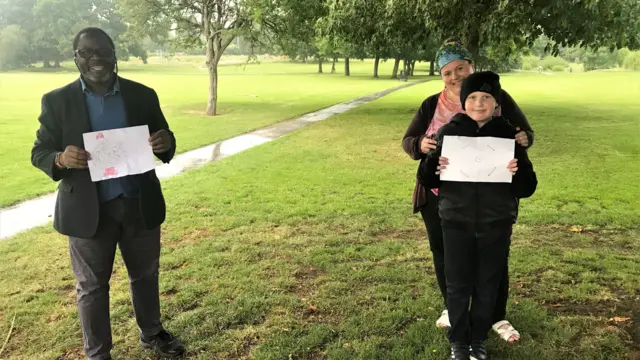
443,320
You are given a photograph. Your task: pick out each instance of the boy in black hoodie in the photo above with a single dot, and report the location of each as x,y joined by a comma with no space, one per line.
477,217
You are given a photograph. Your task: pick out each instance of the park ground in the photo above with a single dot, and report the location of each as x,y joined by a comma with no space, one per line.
251,96
306,248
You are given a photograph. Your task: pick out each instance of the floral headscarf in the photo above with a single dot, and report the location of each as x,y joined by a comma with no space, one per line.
451,50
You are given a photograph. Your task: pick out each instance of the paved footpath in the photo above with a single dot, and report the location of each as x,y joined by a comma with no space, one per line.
39,211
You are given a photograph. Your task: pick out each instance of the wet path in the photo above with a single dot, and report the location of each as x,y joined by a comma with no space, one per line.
39,211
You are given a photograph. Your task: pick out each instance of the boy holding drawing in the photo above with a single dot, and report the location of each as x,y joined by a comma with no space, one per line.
478,204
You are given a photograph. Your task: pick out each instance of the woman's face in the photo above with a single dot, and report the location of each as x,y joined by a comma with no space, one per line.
454,73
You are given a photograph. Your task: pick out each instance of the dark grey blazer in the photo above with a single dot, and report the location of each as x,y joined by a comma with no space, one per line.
63,120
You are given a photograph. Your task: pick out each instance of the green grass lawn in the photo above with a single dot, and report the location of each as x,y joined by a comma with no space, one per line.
306,248
250,97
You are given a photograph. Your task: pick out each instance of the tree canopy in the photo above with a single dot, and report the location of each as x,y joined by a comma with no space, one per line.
46,29
586,23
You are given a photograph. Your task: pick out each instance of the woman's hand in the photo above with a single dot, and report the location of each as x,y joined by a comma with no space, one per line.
427,144
513,166
442,164
521,138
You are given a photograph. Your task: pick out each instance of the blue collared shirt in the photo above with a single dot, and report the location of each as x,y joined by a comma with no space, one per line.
107,113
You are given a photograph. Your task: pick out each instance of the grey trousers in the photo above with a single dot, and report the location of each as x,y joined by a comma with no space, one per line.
92,259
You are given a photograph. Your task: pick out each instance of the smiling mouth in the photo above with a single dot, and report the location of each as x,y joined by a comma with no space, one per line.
97,68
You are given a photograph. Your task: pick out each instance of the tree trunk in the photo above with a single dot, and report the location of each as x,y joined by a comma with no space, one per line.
375,67
473,42
212,103
212,58
333,66
46,64
413,67
432,68
347,68
405,66
319,65
396,65
57,64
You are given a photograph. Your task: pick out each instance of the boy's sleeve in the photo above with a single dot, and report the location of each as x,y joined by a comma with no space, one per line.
524,182
427,176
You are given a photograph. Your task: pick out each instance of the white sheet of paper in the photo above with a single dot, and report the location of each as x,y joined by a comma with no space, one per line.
120,152
477,159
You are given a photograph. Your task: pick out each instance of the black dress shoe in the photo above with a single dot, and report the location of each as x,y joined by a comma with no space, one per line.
164,344
459,351
478,351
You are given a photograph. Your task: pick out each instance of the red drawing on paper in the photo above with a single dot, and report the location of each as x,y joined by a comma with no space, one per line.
119,152
110,172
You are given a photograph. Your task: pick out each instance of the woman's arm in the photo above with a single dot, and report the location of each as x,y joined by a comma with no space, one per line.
516,117
418,128
428,172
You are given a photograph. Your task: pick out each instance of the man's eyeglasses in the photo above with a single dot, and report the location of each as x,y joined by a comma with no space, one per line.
89,53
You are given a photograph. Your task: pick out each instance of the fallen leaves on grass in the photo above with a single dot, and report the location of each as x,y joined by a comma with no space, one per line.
576,229
620,319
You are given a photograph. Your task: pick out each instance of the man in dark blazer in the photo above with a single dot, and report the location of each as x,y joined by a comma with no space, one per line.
99,216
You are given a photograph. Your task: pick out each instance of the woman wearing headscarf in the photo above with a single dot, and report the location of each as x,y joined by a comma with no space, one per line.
455,64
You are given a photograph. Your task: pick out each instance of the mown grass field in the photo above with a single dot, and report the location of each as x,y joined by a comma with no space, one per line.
306,248
250,97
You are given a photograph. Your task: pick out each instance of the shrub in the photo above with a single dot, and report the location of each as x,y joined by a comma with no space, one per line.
632,61
530,62
550,61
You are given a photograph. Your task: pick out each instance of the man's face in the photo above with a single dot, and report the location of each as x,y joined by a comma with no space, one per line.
96,58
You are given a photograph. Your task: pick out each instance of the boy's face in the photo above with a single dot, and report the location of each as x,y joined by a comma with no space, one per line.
480,106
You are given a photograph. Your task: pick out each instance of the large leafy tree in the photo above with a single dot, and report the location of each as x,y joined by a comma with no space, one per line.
291,25
380,29
48,26
56,23
14,47
16,26
112,21
347,27
16,12
587,23
213,24
408,34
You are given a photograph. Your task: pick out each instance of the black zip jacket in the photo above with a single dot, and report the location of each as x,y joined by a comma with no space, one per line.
478,203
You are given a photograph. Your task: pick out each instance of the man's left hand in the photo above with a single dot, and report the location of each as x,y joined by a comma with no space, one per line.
160,141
